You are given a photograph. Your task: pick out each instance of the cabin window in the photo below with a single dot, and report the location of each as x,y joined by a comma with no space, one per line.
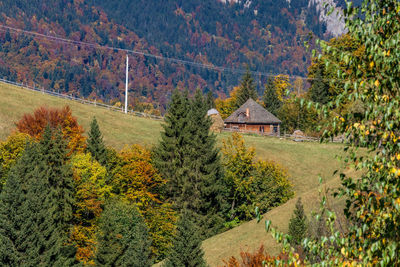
261,129
275,129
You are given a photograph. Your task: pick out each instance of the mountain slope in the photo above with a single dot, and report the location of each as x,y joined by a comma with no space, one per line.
266,35
249,236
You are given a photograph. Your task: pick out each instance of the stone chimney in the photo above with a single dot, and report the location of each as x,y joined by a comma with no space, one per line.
247,113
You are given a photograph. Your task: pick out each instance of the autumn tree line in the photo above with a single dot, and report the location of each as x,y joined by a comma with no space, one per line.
280,97
68,199
201,31
288,99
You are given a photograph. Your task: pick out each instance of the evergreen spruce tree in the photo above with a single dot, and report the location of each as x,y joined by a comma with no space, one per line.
270,98
186,248
168,155
188,159
298,224
59,201
36,223
210,100
95,144
204,191
13,214
319,90
247,89
123,239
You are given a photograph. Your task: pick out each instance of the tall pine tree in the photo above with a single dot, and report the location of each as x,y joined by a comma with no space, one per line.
210,100
204,190
247,89
270,98
13,213
186,249
188,159
319,90
298,224
59,200
95,144
169,154
39,220
123,238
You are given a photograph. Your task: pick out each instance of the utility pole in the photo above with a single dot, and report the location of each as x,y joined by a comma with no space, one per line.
126,84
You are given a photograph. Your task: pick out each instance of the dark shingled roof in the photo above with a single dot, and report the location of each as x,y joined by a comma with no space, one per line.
257,114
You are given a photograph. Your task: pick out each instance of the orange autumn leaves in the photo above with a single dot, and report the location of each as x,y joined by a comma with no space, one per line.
137,181
34,124
259,258
137,176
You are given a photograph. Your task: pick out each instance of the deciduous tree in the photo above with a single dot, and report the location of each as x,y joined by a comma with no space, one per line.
10,151
282,85
91,191
227,106
34,125
238,162
252,182
371,192
136,181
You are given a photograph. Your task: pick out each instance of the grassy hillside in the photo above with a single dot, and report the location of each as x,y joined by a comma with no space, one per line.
251,235
118,128
304,162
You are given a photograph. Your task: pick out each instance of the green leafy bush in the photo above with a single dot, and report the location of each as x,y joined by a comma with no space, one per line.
252,182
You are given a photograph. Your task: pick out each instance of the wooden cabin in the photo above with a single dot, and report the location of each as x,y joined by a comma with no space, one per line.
252,117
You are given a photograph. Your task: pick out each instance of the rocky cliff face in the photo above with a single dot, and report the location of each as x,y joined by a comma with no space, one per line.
334,21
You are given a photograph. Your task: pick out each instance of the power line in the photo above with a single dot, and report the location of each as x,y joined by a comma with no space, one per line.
81,100
135,52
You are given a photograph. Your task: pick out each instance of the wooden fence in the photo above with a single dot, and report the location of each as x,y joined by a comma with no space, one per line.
83,101
297,138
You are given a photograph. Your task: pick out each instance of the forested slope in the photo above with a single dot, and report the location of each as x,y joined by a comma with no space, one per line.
267,36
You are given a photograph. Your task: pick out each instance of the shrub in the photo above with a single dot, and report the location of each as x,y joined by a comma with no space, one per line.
256,259
252,182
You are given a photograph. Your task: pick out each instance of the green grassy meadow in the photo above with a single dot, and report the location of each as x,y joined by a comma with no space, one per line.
304,162
118,129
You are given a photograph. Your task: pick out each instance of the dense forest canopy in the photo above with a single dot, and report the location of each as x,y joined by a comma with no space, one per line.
267,36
